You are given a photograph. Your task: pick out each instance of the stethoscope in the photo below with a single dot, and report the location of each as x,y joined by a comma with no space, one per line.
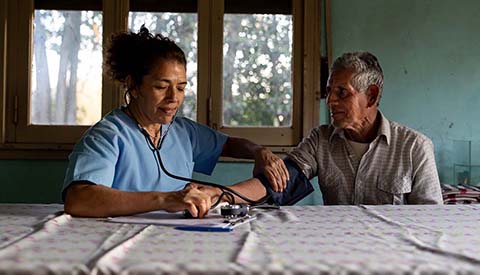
226,191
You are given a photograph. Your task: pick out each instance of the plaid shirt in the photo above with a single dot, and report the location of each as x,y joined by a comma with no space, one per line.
398,167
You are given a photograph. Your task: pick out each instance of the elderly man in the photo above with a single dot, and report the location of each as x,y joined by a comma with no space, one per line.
362,158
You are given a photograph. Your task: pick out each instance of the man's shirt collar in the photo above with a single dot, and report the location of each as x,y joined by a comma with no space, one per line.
383,130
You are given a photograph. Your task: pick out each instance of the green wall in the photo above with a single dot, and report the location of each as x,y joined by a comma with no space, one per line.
430,53
41,181
31,181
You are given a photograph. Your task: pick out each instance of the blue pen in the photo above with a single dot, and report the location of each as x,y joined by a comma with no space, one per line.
204,228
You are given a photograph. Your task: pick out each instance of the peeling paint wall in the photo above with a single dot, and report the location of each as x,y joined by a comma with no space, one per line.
430,53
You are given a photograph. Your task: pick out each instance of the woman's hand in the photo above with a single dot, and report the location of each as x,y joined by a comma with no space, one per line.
196,201
273,167
213,192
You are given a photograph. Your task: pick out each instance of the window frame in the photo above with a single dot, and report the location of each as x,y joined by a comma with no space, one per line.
18,140
275,136
3,55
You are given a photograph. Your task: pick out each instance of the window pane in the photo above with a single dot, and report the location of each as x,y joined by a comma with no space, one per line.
67,67
257,73
181,28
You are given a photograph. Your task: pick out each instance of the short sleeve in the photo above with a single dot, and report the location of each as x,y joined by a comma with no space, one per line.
207,146
93,159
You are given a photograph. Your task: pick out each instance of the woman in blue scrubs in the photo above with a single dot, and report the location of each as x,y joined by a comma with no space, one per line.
114,169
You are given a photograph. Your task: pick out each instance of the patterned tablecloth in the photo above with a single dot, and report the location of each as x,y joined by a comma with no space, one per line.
293,240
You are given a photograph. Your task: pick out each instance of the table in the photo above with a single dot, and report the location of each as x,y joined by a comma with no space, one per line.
38,239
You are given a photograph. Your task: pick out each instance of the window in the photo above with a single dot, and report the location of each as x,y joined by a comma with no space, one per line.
54,79
268,49
257,95
66,76
257,70
253,67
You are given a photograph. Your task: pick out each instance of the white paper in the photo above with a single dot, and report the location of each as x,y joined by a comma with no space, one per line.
169,219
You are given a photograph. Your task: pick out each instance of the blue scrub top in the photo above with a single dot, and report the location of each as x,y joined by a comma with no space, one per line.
115,153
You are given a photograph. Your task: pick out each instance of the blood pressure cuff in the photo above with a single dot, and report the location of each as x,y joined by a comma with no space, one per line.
298,186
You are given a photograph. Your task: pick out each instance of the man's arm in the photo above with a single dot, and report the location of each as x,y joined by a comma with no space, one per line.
90,200
255,189
266,162
426,187
252,189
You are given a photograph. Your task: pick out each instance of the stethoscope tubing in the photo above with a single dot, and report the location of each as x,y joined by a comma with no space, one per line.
207,183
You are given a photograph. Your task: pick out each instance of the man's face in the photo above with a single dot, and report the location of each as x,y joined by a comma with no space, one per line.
347,104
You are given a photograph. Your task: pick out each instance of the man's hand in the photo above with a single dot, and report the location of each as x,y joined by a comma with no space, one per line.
273,167
191,198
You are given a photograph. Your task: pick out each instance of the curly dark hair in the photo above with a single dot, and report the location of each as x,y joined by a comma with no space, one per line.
135,54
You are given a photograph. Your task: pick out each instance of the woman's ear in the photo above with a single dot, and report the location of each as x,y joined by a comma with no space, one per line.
130,86
373,94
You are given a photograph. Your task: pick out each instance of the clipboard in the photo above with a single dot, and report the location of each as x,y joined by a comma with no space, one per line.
211,223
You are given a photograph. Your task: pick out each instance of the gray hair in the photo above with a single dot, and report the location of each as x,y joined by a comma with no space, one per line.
365,67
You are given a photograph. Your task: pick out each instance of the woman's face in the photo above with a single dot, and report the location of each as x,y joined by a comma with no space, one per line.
162,91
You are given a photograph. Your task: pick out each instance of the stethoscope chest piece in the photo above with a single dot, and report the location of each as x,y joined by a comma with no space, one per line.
231,211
